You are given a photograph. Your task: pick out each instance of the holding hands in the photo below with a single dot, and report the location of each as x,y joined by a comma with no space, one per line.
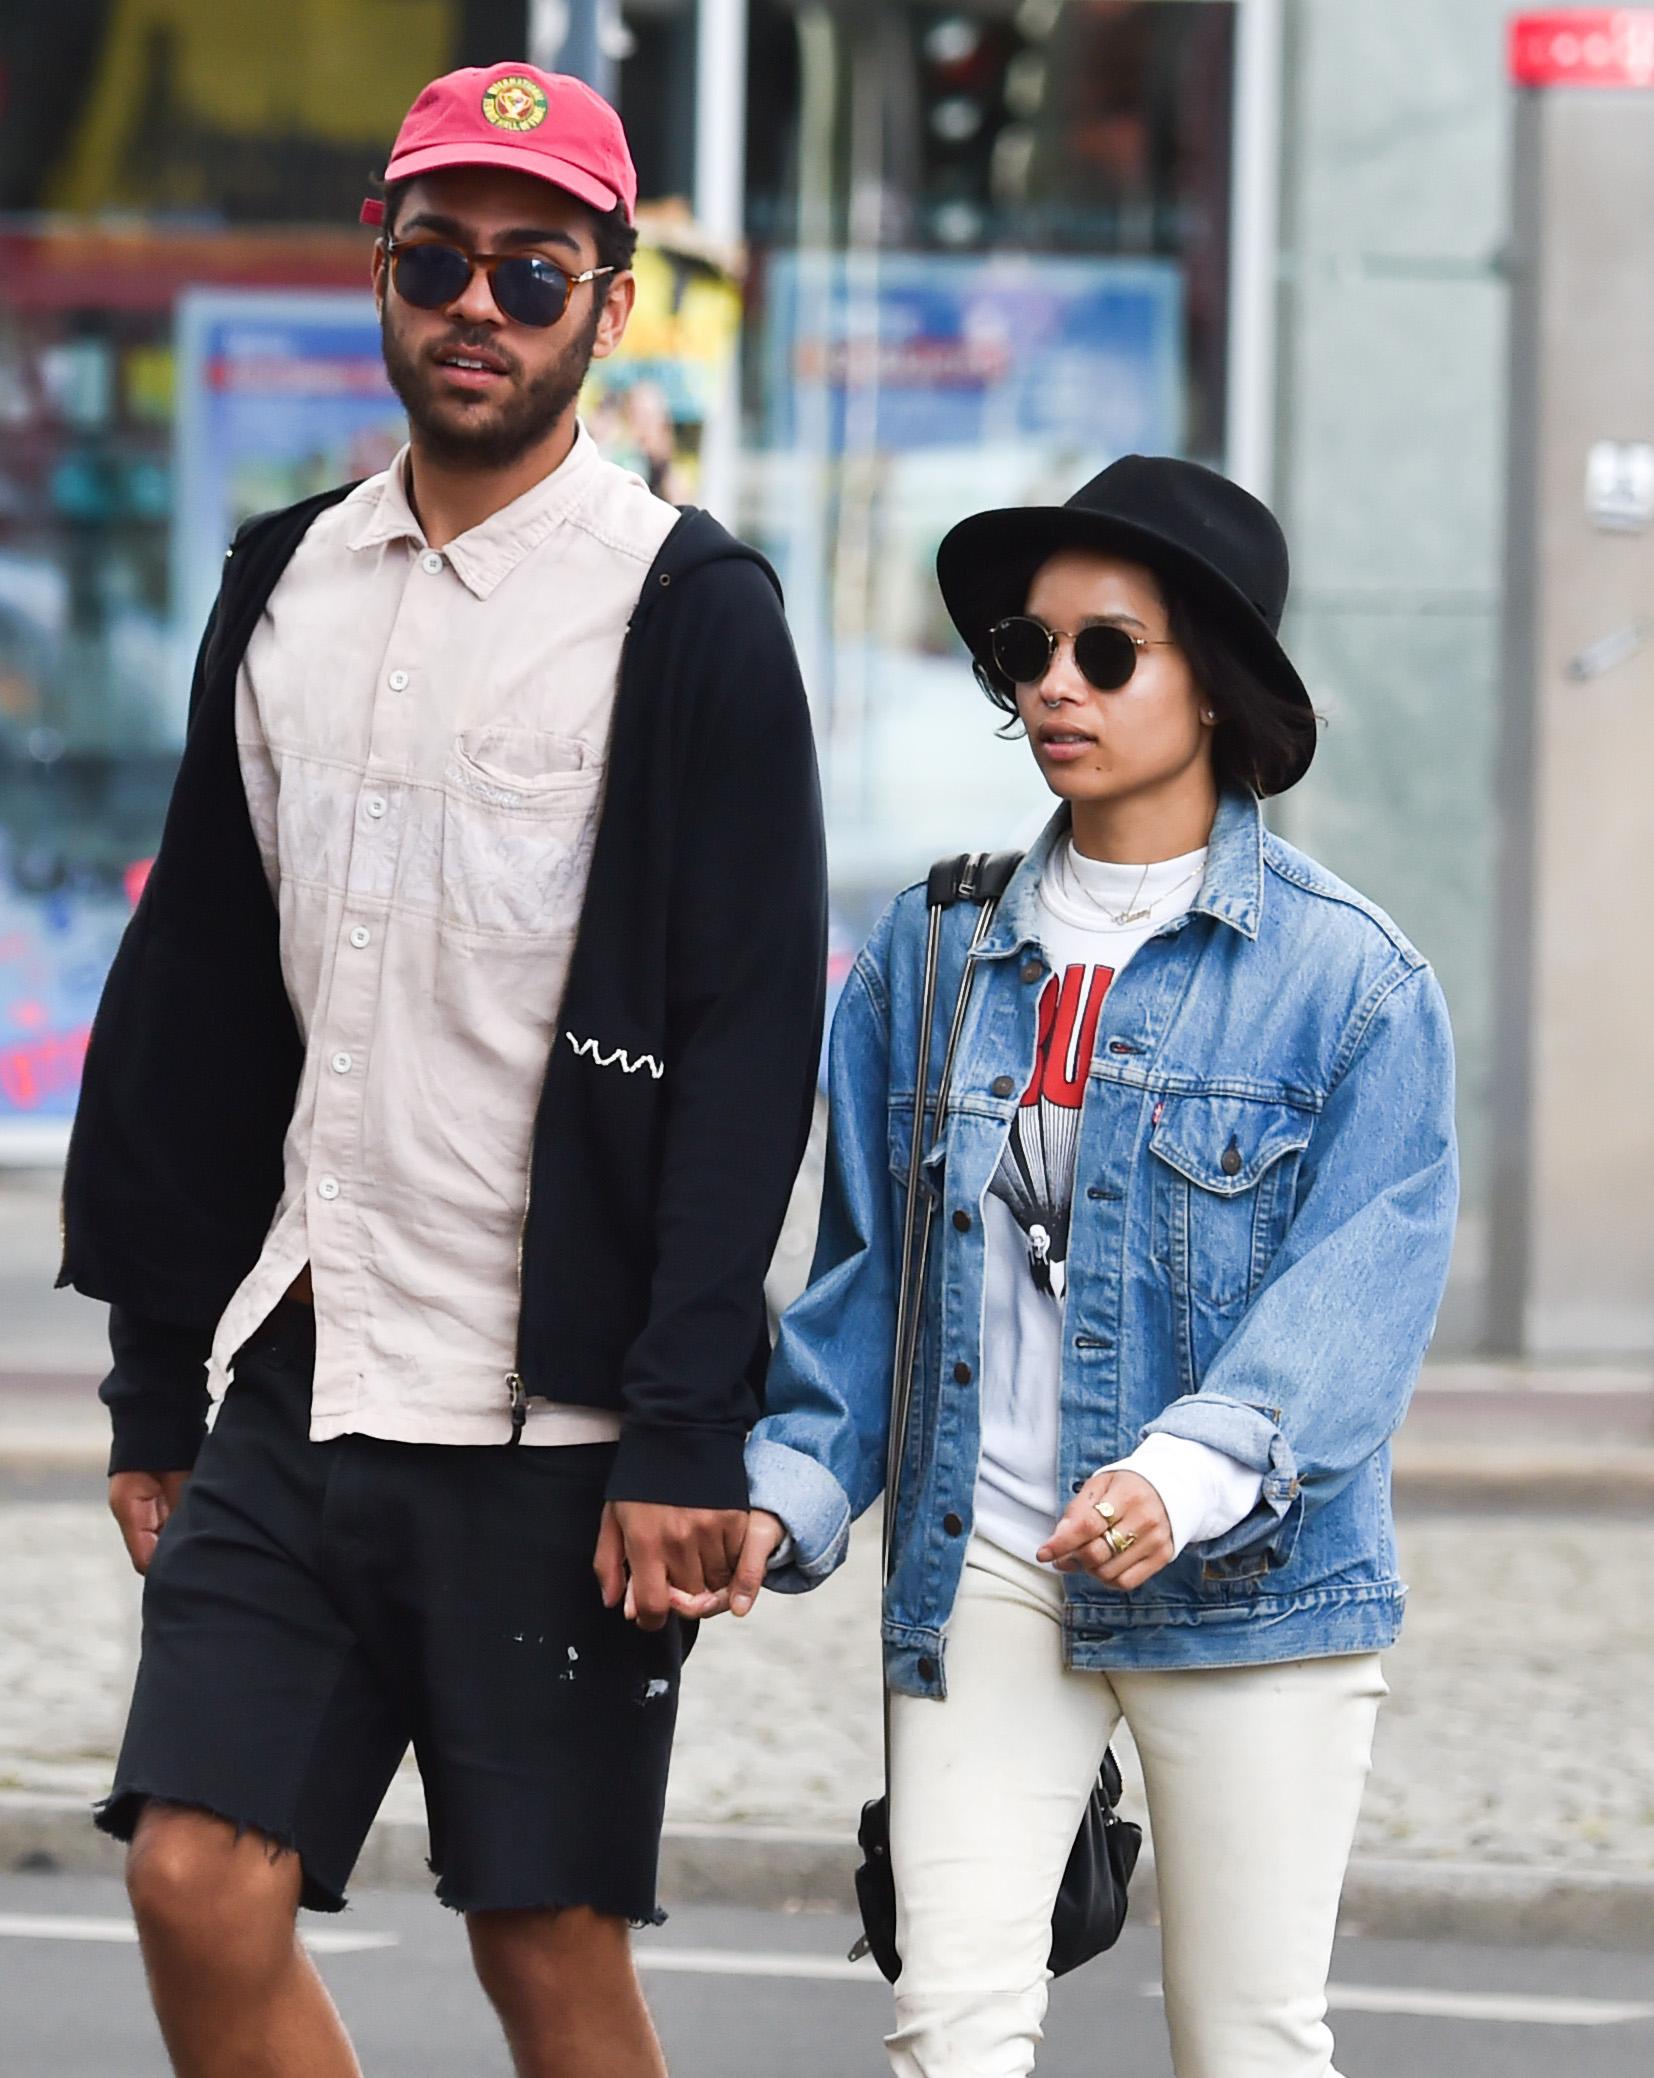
658,1561
765,1534
683,1561
1116,1529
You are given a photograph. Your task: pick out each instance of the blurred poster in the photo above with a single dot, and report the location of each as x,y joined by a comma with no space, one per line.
184,105
658,405
900,392
55,948
894,352
280,393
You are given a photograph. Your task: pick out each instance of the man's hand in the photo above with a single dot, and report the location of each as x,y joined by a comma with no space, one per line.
674,1556
141,1503
1080,1545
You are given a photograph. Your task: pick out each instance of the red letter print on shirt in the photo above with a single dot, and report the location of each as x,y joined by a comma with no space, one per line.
1036,1174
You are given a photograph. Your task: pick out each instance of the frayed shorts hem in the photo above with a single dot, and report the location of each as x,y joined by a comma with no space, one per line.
119,1812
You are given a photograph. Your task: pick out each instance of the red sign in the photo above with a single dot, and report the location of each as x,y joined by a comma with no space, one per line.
1584,47
36,1069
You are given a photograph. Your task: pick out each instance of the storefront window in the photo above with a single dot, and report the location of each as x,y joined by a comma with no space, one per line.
153,153
990,254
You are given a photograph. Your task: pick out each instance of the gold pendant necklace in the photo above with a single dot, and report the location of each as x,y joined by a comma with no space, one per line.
1074,886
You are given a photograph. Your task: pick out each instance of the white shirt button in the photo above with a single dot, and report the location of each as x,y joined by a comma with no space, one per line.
431,562
328,1188
376,804
341,1064
361,936
399,681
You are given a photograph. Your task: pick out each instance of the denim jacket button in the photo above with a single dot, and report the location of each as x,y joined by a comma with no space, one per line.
927,1669
1231,1160
961,1374
962,1220
1031,970
1003,1086
952,1523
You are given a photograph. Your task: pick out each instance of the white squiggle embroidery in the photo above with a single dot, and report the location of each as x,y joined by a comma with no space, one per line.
590,1048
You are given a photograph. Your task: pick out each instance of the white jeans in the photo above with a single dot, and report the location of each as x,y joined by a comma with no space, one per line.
1254,1778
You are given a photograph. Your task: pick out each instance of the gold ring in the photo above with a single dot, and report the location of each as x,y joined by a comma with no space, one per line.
1106,1509
1119,1541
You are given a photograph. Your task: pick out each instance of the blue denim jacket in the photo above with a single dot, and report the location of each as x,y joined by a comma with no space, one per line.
1264,1201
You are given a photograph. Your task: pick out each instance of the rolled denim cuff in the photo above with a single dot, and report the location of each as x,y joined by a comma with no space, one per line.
812,1506
1254,1436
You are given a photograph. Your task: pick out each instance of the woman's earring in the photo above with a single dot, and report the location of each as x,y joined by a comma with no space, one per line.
1207,714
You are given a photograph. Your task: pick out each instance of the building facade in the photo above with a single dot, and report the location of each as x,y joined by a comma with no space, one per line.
989,246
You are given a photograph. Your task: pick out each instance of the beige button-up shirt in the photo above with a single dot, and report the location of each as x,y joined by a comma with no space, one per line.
422,737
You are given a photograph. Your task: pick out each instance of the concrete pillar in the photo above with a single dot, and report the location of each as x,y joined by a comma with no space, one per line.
1573,1205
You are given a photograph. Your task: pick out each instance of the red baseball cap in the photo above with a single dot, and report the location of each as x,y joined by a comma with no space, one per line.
544,123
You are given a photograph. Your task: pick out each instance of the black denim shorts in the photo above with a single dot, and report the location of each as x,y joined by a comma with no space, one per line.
315,1608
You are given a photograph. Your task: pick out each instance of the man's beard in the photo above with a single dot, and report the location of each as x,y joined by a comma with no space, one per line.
485,437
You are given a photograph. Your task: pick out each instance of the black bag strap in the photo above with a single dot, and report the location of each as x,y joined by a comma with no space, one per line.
974,876
971,877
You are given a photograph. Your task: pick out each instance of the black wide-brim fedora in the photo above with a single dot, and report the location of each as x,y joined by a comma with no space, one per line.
1214,541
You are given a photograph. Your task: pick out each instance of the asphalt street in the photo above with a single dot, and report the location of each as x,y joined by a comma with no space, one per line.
741,1994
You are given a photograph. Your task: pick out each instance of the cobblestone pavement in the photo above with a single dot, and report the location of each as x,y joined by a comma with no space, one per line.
1514,1730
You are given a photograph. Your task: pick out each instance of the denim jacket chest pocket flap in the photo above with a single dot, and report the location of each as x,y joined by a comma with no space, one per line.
1223,1183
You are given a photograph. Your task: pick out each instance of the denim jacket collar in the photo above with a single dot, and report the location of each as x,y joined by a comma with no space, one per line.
1231,891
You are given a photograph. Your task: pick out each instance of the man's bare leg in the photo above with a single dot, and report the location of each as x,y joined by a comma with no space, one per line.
567,1994
235,1993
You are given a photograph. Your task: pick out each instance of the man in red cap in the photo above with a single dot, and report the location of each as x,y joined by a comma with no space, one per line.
443,1106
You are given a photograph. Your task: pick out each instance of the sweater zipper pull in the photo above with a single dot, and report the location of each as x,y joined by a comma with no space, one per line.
519,1405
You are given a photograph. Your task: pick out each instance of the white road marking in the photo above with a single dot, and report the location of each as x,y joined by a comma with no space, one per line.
1524,2009
59,1926
1519,2008
753,1962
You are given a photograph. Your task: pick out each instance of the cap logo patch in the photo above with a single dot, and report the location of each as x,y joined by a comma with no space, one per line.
515,103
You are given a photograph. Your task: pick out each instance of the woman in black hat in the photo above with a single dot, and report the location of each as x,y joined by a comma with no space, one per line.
1194,1186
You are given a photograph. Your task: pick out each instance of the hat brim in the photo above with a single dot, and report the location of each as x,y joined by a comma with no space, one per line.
546,166
987,562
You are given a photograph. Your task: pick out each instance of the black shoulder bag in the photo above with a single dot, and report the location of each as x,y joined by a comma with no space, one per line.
1091,1905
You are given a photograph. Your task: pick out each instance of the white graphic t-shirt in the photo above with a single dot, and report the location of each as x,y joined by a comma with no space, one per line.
1093,917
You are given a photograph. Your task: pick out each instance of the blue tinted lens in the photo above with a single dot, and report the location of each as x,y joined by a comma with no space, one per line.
531,290
528,289
428,276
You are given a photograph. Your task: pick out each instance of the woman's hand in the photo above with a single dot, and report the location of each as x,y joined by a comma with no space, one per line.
1126,1504
764,1536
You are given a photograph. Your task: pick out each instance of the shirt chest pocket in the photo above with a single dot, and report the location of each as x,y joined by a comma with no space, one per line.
1224,1174
519,820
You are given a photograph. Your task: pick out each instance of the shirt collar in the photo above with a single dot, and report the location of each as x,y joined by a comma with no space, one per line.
1230,890
483,555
